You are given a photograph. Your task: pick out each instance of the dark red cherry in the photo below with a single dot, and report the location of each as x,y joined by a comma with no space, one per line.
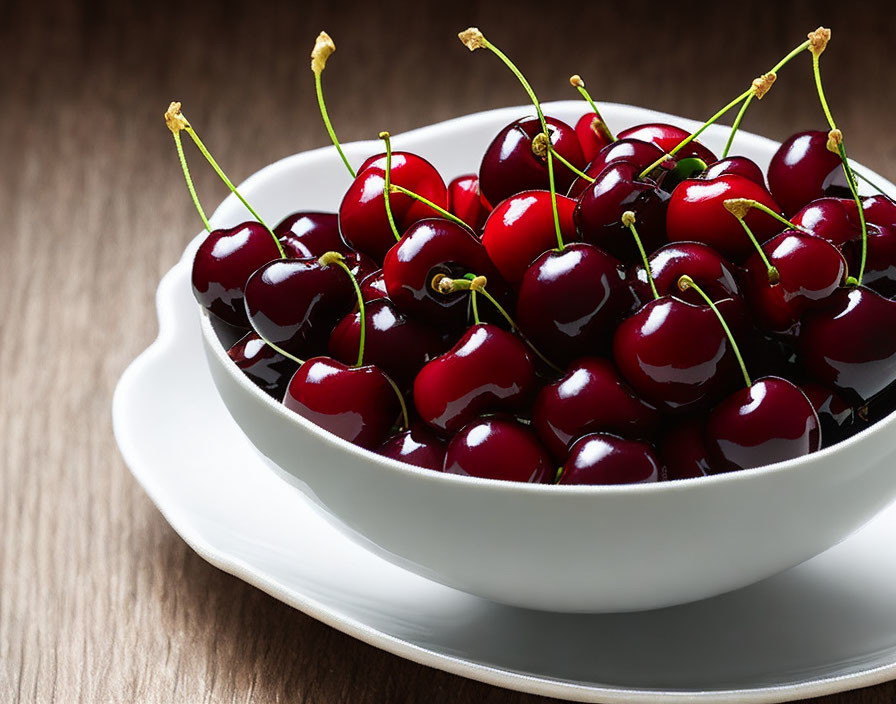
362,215
266,368
465,201
810,269
770,421
683,450
879,210
636,152
395,343
598,214
601,458
675,354
837,418
509,166
667,137
497,448
880,266
590,397
740,165
803,169
356,403
310,234
850,344
224,262
373,286
829,218
591,137
697,212
522,227
570,301
488,370
296,303
418,446
430,247
709,269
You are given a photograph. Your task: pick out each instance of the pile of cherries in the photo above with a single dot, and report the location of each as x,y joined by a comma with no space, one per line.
673,315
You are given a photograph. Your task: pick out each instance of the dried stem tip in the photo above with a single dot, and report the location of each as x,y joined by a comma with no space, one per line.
684,283
174,119
628,218
835,139
472,38
323,47
384,135
478,284
328,258
762,84
818,40
540,144
576,81
738,207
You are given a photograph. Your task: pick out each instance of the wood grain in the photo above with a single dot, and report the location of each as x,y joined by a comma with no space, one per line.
99,599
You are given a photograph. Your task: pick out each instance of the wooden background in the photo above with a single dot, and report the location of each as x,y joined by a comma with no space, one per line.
99,599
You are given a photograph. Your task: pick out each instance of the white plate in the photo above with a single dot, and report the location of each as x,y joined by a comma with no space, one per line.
826,626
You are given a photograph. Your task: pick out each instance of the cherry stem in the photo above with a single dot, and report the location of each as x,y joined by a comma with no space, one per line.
401,402
558,474
601,126
475,306
736,204
395,188
577,172
554,199
387,188
738,210
736,125
323,48
872,184
186,169
686,282
336,258
628,219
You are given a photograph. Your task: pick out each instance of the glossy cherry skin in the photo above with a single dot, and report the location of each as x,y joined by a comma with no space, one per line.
667,137
295,303
590,397
466,201
498,448
770,421
850,344
430,247
598,214
709,269
266,368
601,458
356,403
521,228
310,234
803,169
591,137
418,446
696,212
683,450
837,418
362,215
224,262
879,210
880,266
569,302
634,151
509,166
830,219
675,355
740,165
488,370
810,270
373,286
395,343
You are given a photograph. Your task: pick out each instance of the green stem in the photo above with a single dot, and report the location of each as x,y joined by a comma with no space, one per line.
686,282
554,200
395,188
519,332
579,85
404,408
872,184
736,125
363,336
475,306
773,275
326,118
186,169
577,172
628,219
768,211
387,188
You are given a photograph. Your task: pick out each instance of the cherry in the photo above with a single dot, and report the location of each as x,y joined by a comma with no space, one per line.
498,448
266,368
395,343
740,165
850,344
634,151
356,403
769,421
809,268
418,446
373,286
803,169
697,212
683,450
521,228
310,234
592,136
667,137
700,261
829,218
601,458
570,300
467,202
837,418
879,210
590,397
880,266
487,370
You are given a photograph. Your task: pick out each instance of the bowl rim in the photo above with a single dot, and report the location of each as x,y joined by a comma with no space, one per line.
420,473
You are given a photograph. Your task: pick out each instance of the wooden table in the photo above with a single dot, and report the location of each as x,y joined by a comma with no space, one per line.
99,599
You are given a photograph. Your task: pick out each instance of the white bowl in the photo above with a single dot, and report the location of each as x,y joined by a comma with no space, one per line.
558,548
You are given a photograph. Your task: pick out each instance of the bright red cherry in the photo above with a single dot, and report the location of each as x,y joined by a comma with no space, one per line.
702,263
601,458
696,212
467,202
362,215
509,166
497,448
667,137
683,450
591,137
829,218
487,370
769,421
634,151
310,234
803,169
266,368
740,165
418,446
224,262
590,397
837,418
356,403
